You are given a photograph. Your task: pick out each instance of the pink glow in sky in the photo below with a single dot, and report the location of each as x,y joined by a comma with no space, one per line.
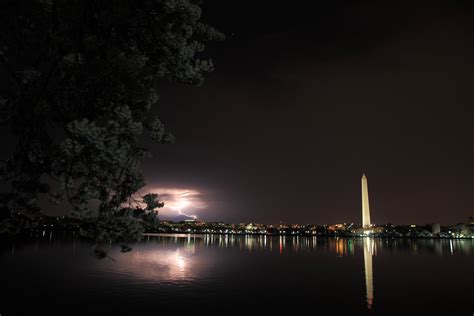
179,201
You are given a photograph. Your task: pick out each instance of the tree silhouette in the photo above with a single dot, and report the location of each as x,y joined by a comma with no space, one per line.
79,82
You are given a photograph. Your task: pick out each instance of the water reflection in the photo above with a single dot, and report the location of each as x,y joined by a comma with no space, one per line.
163,259
341,247
369,251
170,272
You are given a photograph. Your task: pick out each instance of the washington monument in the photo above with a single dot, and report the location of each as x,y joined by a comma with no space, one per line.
365,203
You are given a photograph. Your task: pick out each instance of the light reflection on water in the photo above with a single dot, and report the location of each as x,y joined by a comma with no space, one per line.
364,270
369,251
340,246
180,264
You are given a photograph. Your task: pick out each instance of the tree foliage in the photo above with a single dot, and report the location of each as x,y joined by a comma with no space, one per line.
79,83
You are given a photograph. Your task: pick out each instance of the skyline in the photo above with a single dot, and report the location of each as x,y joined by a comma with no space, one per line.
181,204
186,203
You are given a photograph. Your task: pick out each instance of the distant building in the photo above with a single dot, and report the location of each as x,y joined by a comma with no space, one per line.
251,226
336,227
435,228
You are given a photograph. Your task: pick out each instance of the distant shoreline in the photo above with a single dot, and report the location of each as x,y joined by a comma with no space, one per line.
462,230
199,234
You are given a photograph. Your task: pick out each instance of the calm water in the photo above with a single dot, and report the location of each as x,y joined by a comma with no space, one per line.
222,274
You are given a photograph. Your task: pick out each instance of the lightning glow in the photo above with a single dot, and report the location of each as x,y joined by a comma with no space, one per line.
179,201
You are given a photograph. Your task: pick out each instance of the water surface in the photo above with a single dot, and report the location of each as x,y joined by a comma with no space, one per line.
175,274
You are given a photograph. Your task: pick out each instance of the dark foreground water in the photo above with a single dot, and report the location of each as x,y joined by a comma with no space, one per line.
222,275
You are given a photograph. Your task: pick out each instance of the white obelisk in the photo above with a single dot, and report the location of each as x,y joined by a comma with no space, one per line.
365,203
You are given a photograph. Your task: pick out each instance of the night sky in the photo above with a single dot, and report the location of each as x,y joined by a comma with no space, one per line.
304,99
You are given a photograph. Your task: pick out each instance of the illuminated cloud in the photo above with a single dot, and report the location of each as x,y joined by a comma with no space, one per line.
179,201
